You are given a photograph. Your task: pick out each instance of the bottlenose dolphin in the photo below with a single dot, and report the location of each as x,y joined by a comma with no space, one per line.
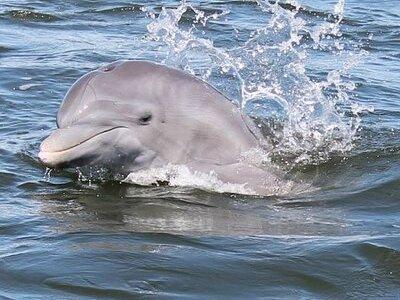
134,115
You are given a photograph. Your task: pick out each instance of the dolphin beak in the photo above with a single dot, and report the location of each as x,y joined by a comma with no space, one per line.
74,146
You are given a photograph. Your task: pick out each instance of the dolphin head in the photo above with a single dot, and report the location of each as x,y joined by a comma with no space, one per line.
131,115
105,120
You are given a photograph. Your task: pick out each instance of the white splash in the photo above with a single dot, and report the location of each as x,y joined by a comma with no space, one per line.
271,71
182,176
47,174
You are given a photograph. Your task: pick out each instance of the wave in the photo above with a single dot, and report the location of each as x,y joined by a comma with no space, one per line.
188,17
116,10
4,49
30,16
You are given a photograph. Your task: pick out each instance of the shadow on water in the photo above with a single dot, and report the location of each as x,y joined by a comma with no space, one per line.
121,207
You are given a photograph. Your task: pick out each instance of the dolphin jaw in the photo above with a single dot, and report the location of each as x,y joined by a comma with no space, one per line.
55,153
50,159
113,147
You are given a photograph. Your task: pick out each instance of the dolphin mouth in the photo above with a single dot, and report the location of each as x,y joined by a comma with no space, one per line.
68,147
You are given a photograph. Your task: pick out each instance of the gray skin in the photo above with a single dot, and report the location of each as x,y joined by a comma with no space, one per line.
134,115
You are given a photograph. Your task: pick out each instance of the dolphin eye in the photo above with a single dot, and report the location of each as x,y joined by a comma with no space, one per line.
145,119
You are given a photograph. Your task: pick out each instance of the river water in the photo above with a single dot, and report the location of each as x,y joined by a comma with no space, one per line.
322,80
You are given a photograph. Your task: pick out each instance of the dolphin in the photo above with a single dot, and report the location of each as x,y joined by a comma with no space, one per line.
131,116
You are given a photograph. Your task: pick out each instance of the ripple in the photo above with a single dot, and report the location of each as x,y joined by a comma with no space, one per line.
87,285
7,178
384,259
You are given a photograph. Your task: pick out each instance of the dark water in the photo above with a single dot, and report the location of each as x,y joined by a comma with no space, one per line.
64,238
